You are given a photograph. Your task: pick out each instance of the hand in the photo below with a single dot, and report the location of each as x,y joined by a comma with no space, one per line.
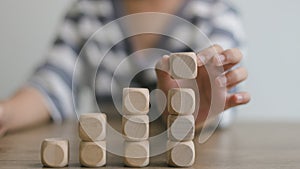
215,71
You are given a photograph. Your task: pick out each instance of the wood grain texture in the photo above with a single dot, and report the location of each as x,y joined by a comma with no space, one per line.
92,127
135,101
55,152
135,128
136,154
92,154
183,65
181,128
180,154
181,101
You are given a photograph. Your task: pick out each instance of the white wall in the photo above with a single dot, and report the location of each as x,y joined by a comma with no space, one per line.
273,31
27,28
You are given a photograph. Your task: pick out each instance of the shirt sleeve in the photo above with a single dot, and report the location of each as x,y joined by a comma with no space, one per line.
226,24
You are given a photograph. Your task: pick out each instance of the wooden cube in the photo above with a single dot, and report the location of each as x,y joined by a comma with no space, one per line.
55,152
92,127
183,65
181,101
135,128
135,101
136,154
181,128
180,154
92,154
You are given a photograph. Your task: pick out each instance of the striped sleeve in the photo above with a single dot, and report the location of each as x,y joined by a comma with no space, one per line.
226,25
54,77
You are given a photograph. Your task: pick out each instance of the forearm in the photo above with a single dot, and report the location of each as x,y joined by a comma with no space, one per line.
26,108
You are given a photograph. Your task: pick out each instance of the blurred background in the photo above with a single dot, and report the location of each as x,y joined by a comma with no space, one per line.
273,32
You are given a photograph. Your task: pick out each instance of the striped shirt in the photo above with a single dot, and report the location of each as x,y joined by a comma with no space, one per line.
73,62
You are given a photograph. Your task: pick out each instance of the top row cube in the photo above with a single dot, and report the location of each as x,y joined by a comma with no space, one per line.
183,65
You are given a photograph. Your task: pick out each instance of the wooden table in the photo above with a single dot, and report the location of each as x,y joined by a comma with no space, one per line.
243,146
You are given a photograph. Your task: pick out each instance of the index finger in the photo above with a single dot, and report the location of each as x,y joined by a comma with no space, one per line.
230,56
207,54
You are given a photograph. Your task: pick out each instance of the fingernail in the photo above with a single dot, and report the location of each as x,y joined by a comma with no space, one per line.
239,98
220,60
166,56
222,57
221,81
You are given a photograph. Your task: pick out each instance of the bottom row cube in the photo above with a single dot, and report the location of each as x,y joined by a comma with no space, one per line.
180,154
136,154
92,154
55,152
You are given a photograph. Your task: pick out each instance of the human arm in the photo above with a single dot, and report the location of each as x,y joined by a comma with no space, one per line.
25,109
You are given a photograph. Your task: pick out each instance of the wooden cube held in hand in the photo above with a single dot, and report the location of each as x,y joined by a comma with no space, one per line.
180,154
181,101
135,128
55,152
92,127
135,101
181,128
136,154
92,154
183,65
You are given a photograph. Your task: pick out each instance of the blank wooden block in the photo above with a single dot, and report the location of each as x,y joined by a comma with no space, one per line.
135,101
92,154
55,152
92,127
181,101
181,128
135,128
136,154
180,154
183,65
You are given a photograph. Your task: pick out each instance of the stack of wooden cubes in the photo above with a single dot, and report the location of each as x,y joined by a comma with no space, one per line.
135,125
92,132
181,106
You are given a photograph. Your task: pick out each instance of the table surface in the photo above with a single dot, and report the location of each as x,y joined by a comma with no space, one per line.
242,146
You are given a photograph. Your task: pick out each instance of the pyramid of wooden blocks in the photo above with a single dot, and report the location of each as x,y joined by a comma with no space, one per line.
55,152
135,101
181,101
92,131
183,65
180,154
135,126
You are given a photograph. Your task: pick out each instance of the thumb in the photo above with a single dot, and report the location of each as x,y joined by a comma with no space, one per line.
162,68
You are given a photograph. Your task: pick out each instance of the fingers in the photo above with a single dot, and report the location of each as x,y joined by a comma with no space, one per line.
236,99
228,58
232,78
207,54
